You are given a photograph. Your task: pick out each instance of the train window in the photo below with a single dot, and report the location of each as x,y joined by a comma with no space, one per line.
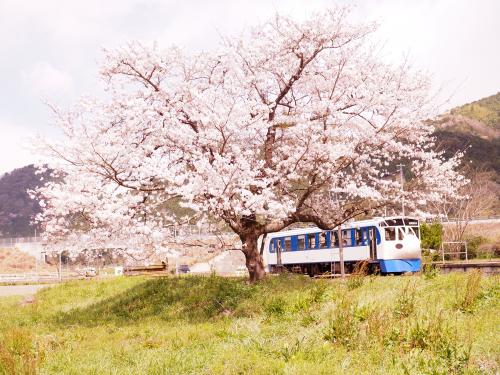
357,237
346,238
360,237
301,243
310,241
272,246
415,231
279,244
322,240
401,234
395,222
335,239
390,234
288,244
411,222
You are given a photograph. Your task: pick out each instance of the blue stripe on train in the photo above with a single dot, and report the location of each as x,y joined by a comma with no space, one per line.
399,265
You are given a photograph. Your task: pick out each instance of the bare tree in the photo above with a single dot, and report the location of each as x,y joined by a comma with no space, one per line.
476,199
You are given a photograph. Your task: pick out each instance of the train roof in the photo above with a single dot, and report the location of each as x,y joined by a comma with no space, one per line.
352,224
378,219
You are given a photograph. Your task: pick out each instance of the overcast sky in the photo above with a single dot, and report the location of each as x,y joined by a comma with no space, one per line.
50,49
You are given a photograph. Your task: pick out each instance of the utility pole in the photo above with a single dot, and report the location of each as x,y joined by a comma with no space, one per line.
341,252
402,186
60,266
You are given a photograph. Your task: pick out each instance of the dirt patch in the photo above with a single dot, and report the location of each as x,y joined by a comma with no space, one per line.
17,261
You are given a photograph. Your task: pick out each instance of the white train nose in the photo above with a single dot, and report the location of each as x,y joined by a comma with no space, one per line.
410,248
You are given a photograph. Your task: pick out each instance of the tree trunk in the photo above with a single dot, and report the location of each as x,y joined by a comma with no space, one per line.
254,262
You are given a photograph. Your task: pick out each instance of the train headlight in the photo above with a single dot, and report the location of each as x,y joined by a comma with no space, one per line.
399,246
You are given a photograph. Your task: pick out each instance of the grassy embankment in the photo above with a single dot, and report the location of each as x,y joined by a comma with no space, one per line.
287,324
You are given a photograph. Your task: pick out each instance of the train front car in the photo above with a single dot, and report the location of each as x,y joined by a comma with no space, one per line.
399,251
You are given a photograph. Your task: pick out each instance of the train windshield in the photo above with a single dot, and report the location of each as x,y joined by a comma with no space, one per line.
398,228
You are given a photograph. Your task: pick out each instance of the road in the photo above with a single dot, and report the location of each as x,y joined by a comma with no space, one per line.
21,290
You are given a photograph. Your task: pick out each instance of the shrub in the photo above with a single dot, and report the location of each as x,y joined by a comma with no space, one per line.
473,245
489,250
431,235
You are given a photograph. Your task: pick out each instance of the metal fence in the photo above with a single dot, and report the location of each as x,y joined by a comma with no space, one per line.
454,249
15,240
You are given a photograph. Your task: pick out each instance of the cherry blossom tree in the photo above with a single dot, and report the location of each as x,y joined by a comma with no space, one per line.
290,122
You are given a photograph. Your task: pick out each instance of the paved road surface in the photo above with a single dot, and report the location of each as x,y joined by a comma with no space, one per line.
21,290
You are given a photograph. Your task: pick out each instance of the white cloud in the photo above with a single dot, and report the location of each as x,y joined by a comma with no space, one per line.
15,147
43,78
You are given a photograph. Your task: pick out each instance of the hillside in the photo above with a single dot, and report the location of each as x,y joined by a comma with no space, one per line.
486,111
475,129
480,152
16,207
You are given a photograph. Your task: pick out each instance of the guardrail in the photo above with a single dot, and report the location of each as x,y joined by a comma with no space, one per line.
452,220
29,277
189,231
16,240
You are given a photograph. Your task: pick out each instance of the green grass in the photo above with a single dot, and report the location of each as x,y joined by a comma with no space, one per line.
284,325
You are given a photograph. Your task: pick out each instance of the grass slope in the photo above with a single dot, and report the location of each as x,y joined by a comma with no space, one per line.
284,325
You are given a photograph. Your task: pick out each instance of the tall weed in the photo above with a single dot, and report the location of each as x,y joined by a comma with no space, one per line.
435,343
357,277
19,353
343,327
405,302
466,301
430,271
319,291
276,307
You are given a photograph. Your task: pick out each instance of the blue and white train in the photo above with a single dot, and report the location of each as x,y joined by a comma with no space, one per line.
390,245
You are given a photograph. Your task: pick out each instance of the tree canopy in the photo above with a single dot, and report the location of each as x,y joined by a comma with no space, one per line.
290,122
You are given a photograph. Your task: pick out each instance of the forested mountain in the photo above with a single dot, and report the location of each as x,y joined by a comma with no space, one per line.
16,207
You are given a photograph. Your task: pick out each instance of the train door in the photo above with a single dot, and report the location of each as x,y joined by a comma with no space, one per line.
372,241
